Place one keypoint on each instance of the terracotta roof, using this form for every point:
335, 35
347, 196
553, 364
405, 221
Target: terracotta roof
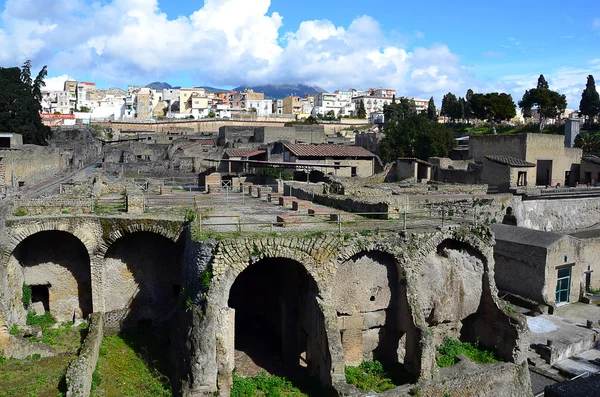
508, 160
243, 152
328, 151
206, 142
411, 159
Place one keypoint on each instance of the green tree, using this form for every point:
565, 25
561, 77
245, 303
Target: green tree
589, 142
450, 107
589, 105
416, 136
361, 112
211, 114
431, 112
550, 104
493, 107
399, 110
84, 109
468, 106
20, 105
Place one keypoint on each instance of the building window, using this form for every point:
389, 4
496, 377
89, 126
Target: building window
563, 285
522, 178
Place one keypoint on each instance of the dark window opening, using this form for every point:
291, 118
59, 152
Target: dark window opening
41, 293
176, 290
354, 171
522, 178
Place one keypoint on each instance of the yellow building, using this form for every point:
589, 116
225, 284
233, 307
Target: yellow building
185, 105
292, 105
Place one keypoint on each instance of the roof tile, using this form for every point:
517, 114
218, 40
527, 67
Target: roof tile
328, 151
508, 160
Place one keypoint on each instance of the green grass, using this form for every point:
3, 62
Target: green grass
264, 385
372, 375
20, 213
34, 377
26, 298
451, 348
132, 365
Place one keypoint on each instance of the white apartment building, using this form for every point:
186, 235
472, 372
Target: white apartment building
372, 104
339, 102
263, 107
83, 96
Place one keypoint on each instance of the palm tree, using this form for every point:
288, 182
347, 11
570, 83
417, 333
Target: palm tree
589, 142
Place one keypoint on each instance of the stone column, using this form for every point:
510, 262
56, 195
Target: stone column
225, 338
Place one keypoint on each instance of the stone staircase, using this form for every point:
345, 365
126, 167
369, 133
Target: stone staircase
110, 203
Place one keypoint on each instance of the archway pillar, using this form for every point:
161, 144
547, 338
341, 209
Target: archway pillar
97, 270
334, 345
225, 349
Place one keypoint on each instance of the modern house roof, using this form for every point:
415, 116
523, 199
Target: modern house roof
328, 151
243, 152
508, 160
525, 236
591, 159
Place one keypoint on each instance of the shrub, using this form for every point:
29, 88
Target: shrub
206, 278
451, 348
369, 375
21, 212
26, 298
14, 330
262, 384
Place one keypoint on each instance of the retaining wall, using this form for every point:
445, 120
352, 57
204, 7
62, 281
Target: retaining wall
79, 373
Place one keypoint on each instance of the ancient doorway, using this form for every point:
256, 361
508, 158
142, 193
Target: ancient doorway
142, 276
279, 326
544, 173
56, 266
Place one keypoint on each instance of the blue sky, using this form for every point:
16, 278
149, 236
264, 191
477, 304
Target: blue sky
420, 48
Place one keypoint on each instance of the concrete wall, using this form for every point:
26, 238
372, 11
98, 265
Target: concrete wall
496, 174
406, 170
521, 270
556, 259
508, 145
589, 172
542, 146
589, 258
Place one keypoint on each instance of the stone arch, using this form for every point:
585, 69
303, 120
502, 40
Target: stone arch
279, 321
118, 230
86, 232
141, 275
57, 265
370, 296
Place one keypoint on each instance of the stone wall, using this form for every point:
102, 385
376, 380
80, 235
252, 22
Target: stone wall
79, 373
355, 333
30, 164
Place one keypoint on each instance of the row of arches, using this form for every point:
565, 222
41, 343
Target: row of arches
138, 270
283, 322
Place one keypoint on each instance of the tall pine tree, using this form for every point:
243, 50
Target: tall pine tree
431, 112
589, 105
20, 106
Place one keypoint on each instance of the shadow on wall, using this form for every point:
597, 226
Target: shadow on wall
57, 266
279, 326
376, 322
142, 279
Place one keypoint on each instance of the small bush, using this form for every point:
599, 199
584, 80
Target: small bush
206, 278
190, 216
26, 298
14, 330
262, 384
369, 375
21, 212
451, 348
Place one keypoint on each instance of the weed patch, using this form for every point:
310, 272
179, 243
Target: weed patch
451, 348
371, 375
263, 385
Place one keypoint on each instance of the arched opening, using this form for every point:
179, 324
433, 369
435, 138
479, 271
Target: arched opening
142, 277
374, 315
56, 265
279, 326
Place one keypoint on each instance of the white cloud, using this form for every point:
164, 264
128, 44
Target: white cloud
596, 23
566, 80
493, 54
57, 83
226, 42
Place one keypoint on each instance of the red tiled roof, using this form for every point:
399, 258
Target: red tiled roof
328, 151
411, 159
508, 160
205, 142
243, 152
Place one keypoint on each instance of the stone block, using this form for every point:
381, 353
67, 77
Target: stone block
299, 205
263, 191
285, 220
38, 308
166, 190
370, 342
286, 201
273, 197
375, 319
318, 211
